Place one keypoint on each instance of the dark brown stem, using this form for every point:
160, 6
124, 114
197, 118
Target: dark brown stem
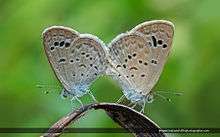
128, 118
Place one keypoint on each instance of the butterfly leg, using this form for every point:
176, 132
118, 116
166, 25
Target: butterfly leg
129, 105
143, 106
120, 99
72, 99
134, 105
93, 97
79, 101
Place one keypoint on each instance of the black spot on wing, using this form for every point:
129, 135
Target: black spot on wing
67, 44
51, 48
124, 65
62, 44
164, 45
118, 66
61, 60
133, 68
82, 65
153, 61
56, 43
160, 42
154, 41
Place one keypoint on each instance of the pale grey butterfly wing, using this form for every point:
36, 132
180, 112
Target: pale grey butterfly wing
137, 57
89, 59
77, 59
159, 35
128, 61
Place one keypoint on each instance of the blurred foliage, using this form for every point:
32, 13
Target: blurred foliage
192, 67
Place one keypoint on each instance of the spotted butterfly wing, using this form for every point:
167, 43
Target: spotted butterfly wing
77, 59
137, 57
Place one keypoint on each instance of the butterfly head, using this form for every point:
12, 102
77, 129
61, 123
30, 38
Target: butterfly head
135, 96
76, 91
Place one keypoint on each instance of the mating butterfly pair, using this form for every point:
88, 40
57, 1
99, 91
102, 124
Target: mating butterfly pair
135, 58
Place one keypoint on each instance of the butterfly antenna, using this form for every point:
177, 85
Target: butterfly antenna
46, 86
143, 107
134, 105
163, 97
174, 93
130, 104
79, 101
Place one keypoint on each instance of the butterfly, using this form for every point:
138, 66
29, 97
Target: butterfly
76, 59
136, 58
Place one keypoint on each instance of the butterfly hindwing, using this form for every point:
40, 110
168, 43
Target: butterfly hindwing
89, 58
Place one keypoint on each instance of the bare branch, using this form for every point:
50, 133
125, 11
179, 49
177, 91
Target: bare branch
128, 118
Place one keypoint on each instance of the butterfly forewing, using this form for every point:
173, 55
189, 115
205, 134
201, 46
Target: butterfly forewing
159, 35
77, 59
138, 57
57, 40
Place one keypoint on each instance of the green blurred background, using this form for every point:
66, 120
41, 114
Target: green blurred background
192, 67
